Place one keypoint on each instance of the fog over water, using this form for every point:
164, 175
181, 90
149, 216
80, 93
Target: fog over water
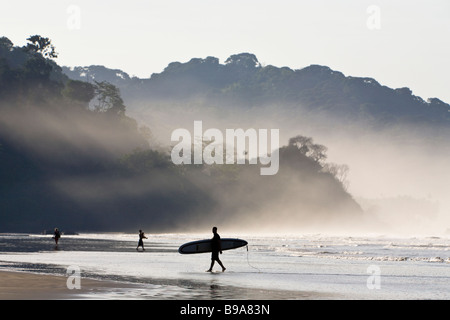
77, 155
398, 174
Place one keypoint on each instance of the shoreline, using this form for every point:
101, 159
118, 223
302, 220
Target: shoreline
278, 268
22, 285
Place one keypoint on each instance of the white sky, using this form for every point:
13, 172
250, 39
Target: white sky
141, 37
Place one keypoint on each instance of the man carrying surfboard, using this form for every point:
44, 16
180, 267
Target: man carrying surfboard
216, 248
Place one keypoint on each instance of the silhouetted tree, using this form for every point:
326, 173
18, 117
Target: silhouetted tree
339, 172
5, 44
245, 60
37, 69
41, 45
79, 91
108, 99
306, 146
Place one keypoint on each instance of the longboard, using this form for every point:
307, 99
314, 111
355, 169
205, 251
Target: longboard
202, 246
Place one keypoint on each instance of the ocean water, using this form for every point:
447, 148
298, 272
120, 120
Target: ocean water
308, 266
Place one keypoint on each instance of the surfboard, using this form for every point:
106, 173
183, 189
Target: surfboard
202, 246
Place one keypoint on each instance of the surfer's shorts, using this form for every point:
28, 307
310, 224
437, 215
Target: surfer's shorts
215, 255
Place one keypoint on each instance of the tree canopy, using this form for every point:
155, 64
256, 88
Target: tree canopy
70, 156
42, 45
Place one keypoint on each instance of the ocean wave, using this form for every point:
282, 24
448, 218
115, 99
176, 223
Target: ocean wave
355, 255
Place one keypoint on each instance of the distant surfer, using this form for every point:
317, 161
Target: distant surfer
56, 235
216, 249
141, 242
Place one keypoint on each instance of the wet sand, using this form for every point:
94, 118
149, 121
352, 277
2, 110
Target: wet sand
29, 286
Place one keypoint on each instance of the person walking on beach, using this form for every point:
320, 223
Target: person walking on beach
141, 242
56, 236
216, 248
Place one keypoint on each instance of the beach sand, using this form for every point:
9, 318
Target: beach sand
29, 286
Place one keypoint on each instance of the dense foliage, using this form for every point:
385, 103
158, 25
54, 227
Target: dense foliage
242, 81
71, 157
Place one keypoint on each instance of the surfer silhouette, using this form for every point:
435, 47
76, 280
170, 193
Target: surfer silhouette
141, 242
216, 248
56, 236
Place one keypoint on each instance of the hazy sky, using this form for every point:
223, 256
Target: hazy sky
399, 43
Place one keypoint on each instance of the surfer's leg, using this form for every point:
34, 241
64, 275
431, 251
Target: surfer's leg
212, 265
214, 257
223, 268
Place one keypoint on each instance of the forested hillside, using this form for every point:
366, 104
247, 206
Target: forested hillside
71, 157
